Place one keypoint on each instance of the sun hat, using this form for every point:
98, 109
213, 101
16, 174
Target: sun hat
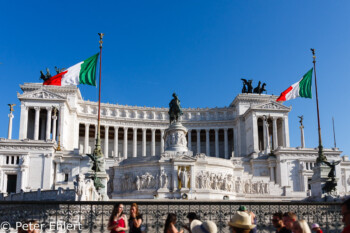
203, 227
315, 225
242, 208
242, 220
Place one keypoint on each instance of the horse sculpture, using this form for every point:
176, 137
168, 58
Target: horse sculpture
175, 110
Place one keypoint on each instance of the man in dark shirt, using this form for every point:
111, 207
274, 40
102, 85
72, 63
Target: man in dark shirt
345, 212
278, 223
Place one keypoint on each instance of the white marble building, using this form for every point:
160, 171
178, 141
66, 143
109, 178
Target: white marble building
229, 149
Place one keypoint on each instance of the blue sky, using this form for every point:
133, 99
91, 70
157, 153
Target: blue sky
200, 49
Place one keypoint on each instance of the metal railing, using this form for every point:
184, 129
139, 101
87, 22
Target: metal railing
93, 216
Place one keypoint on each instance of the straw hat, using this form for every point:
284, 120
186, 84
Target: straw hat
315, 225
203, 227
242, 220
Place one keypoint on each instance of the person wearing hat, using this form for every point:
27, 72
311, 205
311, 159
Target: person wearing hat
203, 227
241, 222
252, 216
191, 216
316, 228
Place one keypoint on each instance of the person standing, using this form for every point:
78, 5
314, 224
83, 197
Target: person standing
135, 219
345, 212
117, 221
191, 216
241, 222
277, 222
170, 222
301, 226
316, 228
288, 220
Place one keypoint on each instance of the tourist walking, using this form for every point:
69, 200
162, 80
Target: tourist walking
170, 222
288, 219
345, 212
191, 216
301, 226
135, 219
316, 228
117, 221
203, 227
277, 222
241, 222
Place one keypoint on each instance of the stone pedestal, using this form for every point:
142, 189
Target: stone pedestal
175, 139
318, 180
103, 176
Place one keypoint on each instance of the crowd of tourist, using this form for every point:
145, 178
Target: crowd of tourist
243, 221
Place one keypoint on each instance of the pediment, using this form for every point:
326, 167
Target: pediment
40, 94
272, 105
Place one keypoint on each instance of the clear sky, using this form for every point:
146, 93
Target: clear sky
200, 49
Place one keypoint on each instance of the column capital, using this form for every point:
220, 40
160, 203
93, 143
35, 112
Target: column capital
106, 126
153, 130
207, 130
135, 129
144, 129
49, 108
11, 115
125, 128
216, 130
189, 130
116, 127
37, 108
87, 124
225, 129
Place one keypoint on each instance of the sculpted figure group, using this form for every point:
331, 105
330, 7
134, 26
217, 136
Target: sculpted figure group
248, 87
214, 181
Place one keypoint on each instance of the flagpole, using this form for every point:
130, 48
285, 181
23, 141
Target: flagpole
98, 151
321, 156
335, 142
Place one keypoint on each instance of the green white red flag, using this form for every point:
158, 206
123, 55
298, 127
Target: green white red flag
298, 89
82, 73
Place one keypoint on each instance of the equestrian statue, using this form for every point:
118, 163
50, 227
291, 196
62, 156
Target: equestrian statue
175, 110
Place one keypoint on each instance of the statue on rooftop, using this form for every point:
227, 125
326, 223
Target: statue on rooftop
175, 110
247, 86
46, 76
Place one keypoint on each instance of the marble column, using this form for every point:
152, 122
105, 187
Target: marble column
272, 174
198, 141
9, 132
134, 148
153, 148
36, 124
54, 121
125, 147
255, 133
48, 123
226, 143
207, 143
86, 141
175, 179
217, 143
267, 137
285, 131
116, 129
275, 138
23, 122
235, 144
106, 141
144, 131
302, 136
192, 178
23, 178
161, 140
189, 143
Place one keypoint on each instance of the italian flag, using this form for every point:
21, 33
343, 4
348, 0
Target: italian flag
299, 89
82, 73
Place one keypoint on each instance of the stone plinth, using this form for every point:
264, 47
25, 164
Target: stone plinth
175, 138
318, 180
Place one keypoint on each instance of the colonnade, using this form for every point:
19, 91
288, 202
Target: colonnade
46, 127
160, 132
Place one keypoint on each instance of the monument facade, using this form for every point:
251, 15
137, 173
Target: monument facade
239, 152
